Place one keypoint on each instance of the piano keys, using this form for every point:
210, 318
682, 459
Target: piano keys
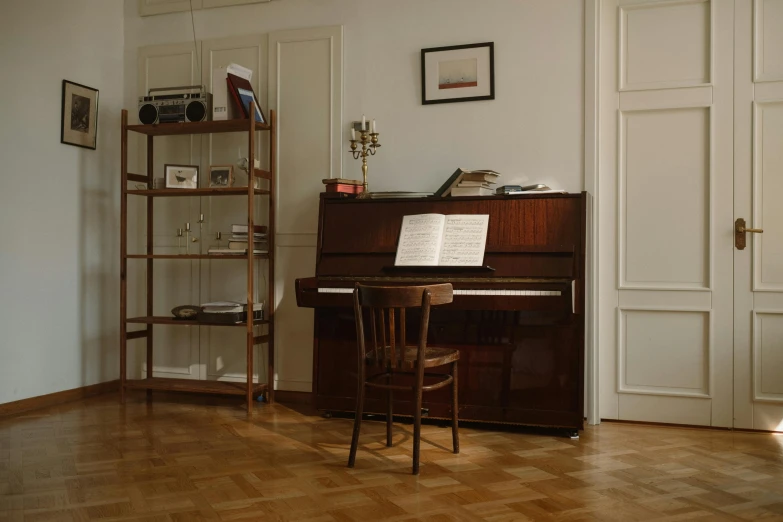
519, 325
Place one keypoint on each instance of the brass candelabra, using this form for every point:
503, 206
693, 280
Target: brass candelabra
369, 143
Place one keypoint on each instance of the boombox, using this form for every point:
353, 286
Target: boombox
188, 103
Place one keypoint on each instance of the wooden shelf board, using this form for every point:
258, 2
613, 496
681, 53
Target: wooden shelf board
193, 386
195, 256
196, 127
157, 319
211, 191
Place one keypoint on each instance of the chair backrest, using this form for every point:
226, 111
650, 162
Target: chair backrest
386, 306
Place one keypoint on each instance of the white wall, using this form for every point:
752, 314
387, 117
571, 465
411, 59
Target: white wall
59, 204
534, 126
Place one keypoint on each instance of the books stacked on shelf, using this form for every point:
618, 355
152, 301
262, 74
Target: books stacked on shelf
239, 242
228, 312
537, 188
343, 185
469, 183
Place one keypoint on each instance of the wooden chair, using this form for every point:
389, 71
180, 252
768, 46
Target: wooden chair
390, 351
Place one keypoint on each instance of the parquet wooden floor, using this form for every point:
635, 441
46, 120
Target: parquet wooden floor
190, 459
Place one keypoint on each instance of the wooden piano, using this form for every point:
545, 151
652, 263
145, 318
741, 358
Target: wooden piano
519, 325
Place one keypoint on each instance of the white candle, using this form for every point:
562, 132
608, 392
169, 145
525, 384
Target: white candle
374, 127
364, 123
353, 134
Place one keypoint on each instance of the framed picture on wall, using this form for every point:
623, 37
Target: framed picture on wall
458, 73
79, 124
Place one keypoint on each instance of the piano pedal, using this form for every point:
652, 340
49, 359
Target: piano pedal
573, 434
327, 415
425, 412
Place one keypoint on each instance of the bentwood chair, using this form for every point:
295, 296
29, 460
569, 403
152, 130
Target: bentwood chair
386, 309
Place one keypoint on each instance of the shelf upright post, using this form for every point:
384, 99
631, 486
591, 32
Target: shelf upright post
123, 252
251, 178
150, 177
270, 303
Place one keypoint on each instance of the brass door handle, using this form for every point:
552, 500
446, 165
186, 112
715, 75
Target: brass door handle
740, 231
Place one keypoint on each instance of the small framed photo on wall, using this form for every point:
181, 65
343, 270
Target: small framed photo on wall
181, 176
458, 73
221, 176
79, 124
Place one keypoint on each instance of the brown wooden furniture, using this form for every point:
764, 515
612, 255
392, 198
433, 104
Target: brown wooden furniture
391, 354
519, 328
249, 389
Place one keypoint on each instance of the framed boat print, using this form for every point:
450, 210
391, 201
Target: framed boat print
79, 124
458, 73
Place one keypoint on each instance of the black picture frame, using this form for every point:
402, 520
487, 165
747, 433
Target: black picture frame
70, 135
490, 96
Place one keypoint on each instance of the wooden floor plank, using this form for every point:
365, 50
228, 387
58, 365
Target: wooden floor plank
202, 458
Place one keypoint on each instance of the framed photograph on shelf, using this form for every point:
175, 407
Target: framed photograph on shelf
458, 73
221, 176
79, 124
181, 176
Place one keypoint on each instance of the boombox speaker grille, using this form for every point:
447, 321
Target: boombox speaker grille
195, 111
148, 114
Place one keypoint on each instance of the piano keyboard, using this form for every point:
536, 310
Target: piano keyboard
477, 291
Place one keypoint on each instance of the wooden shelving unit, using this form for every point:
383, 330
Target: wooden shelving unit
249, 389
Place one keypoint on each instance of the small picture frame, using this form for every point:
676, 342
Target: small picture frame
458, 73
181, 176
79, 122
221, 176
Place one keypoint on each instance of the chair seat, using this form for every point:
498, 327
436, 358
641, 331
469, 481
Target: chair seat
433, 356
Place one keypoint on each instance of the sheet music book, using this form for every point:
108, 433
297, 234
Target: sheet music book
442, 240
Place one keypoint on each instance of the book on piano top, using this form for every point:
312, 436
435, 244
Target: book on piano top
341, 181
471, 191
232, 252
484, 176
345, 189
442, 240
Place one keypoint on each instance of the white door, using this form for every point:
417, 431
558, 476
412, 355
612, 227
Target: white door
758, 193
665, 181
175, 281
222, 353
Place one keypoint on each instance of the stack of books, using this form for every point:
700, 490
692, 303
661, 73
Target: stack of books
343, 185
239, 241
469, 183
537, 188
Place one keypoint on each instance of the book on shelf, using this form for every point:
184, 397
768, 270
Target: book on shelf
460, 175
231, 252
471, 191
242, 93
345, 189
242, 245
442, 240
341, 181
242, 229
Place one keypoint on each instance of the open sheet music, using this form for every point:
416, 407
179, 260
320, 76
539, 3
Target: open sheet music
442, 240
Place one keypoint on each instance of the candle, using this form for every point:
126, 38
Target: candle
374, 127
353, 134
364, 123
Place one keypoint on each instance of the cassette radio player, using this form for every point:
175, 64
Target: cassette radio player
179, 104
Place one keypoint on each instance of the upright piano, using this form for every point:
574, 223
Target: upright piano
518, 322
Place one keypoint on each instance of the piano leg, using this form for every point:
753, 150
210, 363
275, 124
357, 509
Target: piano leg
454, 408
389, 413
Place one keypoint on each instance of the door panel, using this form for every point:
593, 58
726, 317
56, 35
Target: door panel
223, 350
758, 190
175, 281
671, 112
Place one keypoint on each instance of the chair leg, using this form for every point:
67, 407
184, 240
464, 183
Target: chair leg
389, 412
357, 423
454, 408
417, 421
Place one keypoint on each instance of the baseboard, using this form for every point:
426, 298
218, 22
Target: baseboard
688, 426
53, 399
293, 397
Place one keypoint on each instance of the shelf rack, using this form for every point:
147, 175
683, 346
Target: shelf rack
249, 389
